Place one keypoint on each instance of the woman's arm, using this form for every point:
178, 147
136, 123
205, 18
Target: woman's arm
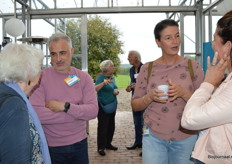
99, 86
141, 99
139, 104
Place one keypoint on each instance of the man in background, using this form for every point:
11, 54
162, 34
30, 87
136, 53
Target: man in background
134, 59
64, 101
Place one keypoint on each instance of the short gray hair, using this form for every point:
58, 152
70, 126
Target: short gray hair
105, 65
136, 54
20, 62
58, 36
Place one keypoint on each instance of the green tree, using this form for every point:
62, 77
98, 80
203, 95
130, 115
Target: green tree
103, 43
74, 32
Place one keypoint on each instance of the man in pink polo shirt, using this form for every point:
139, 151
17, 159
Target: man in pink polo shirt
64, 101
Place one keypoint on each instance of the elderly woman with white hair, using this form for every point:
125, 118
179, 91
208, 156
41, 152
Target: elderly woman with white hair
106, 91
22, 138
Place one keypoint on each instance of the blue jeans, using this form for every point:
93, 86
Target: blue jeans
159, 151
138, 122
70, 154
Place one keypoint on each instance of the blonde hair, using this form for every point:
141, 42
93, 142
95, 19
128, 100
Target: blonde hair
20, 62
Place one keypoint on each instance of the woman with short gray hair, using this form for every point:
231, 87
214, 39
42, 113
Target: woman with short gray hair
22, 138
105, 65
106, 91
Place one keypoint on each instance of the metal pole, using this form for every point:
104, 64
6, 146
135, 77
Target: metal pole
84, 43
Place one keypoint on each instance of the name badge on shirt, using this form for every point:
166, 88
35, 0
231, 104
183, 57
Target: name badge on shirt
146, 131
71, 79
136, 75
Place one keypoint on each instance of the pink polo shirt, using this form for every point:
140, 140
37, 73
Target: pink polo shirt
65, 128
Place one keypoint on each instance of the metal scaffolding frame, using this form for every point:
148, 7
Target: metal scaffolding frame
38, 9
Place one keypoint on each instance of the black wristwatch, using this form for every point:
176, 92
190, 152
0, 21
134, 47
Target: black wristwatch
66, 107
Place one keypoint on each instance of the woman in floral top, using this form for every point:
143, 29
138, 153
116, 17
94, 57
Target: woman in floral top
165, 141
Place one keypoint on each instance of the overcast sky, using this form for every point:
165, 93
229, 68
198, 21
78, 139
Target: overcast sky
137, 34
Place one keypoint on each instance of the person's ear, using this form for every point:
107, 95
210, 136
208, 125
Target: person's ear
157, 42
228, 45
136, 58
228, 48
72, 51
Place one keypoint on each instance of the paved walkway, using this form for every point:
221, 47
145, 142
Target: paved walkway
123, 136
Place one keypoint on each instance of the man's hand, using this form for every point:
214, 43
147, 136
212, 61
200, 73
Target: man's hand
55, 106
132, 85
128, 89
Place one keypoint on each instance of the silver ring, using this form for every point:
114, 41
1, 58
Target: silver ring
213, 64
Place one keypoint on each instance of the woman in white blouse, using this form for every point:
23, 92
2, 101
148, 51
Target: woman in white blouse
210, 107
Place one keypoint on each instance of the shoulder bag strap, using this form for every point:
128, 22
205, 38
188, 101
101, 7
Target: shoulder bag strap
149, 69
190, 67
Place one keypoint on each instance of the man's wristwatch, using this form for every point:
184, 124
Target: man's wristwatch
66, 107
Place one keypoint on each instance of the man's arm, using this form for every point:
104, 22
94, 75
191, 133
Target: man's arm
46, 116
88, 108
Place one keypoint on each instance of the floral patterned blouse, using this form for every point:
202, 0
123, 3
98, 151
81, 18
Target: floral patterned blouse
163, 119
36, 149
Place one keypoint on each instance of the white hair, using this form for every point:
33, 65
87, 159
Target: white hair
136, 54
105, 65
20, 62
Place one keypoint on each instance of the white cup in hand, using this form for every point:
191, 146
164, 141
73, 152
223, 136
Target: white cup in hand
163, 88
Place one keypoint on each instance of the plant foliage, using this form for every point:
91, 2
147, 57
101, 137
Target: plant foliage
103, 43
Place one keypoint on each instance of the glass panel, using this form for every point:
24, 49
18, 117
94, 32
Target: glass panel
41, 4
42, 29
68, 4
190, 56
1, 37
137, 34
127, 3
89, 3
189, 34
213, 26
100, 3
157, 2
6, 6
150, 3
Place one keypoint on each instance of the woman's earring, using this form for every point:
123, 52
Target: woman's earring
29, 83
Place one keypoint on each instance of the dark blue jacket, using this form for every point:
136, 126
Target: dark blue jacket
132, 72
15, 139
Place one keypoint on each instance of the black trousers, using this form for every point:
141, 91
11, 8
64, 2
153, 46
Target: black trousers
105, 129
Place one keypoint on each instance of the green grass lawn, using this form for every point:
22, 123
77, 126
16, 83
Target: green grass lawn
122, 81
